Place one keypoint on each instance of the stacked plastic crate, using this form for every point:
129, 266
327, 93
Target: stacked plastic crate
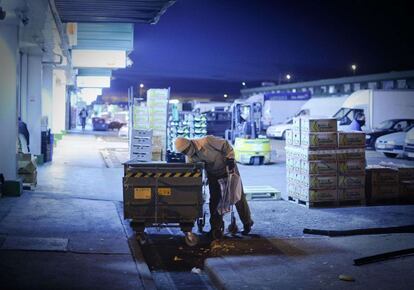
157, 103
323, 165
141, 145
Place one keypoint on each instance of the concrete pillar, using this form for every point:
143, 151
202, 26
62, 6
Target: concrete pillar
23, 87
47, 93
34, 102
59, 101
8, 100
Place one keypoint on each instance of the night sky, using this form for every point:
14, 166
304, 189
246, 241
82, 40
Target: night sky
202, 47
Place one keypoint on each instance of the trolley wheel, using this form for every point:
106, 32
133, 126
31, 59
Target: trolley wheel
141, 237
191, 239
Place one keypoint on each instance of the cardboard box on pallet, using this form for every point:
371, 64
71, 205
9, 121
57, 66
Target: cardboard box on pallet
377, 174
308, 154
289, 137
320, 167
351, 181
29, 177
406, 189
296, 137
381, 183
313, 124
323, 140
351, 140
296, 124
351, 167
317, 195
351, 194
352, 153
319, 181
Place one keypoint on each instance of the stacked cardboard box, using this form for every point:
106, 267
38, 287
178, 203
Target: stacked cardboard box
382, 184
324, 165
405, 179
27, 168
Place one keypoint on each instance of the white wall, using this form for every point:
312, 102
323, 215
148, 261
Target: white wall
8, 100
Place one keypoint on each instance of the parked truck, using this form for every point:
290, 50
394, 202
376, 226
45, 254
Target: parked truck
316, 106
278, 107
377, 106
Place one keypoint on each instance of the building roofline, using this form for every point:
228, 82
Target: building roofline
394, 75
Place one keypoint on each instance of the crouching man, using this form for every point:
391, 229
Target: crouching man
217, 154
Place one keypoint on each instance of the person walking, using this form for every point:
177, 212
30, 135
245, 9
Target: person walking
218, 157
83, 114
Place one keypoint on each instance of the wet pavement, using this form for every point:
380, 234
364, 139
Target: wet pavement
72, 226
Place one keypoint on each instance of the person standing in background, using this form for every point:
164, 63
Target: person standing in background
24, 137
83, 114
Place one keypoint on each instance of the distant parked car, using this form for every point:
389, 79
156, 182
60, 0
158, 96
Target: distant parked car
387, 127
115, 125
409, 144
392, 144
99, 124
279, 130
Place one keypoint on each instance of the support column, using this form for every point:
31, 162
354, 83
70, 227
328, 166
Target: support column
8, 100
59, 101
34, 102
47, 93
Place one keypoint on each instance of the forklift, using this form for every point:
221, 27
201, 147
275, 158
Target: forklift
244, 134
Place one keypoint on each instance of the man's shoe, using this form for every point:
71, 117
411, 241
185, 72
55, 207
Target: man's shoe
216, 234
247, 228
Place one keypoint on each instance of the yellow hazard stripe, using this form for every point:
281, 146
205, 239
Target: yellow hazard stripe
164, 174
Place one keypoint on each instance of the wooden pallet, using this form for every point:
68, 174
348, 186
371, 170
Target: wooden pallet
261, 192
29, 186
336, 203
391, 201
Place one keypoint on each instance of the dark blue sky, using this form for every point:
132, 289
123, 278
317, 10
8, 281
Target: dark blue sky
211, 46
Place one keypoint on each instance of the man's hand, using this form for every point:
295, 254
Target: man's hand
231, 164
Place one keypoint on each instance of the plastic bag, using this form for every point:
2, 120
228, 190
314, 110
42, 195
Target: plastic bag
231, 191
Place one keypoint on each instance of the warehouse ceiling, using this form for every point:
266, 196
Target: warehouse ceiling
130, 11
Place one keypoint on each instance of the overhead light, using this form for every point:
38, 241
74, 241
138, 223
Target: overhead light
243, 84
225, 95
93, 81
174, 101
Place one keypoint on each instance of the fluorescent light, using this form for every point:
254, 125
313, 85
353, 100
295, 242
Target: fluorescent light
173, 101
93, 81
99, 58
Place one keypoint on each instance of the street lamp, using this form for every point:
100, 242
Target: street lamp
243, 84
225, 96
353, 67
288, 77
141, 85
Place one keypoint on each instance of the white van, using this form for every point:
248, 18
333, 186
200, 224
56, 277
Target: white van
319, 106
377, 106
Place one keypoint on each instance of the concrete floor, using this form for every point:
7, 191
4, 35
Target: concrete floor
69, 232
71, 225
